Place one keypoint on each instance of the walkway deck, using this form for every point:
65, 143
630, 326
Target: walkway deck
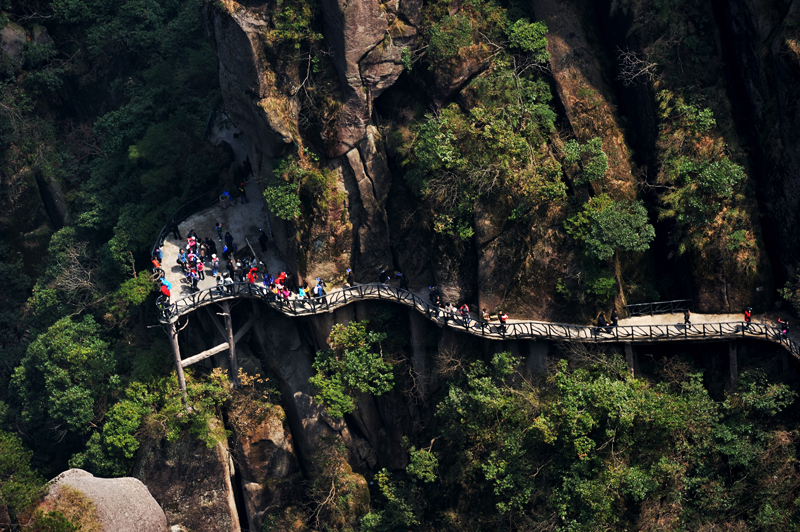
244, 221
633, 333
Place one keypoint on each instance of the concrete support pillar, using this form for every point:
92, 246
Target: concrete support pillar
226, 311
733, 358
172, 332
630, 359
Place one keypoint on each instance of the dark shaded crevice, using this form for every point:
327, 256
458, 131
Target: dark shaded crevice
49, 202
637, 109
745, 85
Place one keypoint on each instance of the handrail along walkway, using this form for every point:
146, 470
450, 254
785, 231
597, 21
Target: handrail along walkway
512, 331
659, 307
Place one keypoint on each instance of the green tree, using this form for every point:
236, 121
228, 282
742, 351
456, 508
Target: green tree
20, 485
607, 227
63, 374
354, 364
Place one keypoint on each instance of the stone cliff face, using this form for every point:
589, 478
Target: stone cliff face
762, 46
286, 102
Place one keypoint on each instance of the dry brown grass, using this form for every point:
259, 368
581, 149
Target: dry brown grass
74, 506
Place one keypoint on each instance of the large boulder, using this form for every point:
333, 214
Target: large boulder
122, 504
191, 481
270, 473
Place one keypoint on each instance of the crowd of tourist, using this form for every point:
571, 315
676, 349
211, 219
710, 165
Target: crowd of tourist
200, 255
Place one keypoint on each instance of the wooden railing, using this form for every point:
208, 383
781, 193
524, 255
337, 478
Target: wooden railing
659, 307
516, 330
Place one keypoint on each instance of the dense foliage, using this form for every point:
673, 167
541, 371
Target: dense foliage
354, 364
495, 142
592, 448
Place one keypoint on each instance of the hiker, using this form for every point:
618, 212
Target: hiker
212, 247
175, 232
251, 275
464, 310
350, 278
602, 324
201, 270
214, 264
687, 318
166, 293
383, 277
748, 314
228, 239
159, 254
156, 264
403, 283
193, 278
784, 328
242, 193
319, 290
262, 239
503, 318
182, 260
301, 293
220, 289
166, 283
485, 315
218, 229
435, 296
228, 282
615, 318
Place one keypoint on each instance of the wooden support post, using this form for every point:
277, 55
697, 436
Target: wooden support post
226, 309
204, 355
629, 359
176, 351
733, 359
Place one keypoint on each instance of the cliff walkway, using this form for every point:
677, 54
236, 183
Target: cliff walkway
205, 210
516, 330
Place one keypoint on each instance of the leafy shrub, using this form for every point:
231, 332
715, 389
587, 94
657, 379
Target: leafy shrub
349, 367
448, 37
530, 38
156, 410
589, 158
606, 227
283, 201
20, 485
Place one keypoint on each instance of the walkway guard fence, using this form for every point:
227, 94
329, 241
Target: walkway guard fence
184, 211
517, 330
659, 307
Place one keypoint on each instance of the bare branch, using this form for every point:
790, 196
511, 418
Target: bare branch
633, 68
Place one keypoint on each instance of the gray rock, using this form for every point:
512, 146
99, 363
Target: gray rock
122, 504
13, 40
191, 482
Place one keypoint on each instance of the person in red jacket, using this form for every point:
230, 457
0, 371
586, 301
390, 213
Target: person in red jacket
251, 275
165, 291
503, 318
748, 314
464, 310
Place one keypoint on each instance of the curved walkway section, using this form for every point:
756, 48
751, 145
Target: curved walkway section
528, 330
